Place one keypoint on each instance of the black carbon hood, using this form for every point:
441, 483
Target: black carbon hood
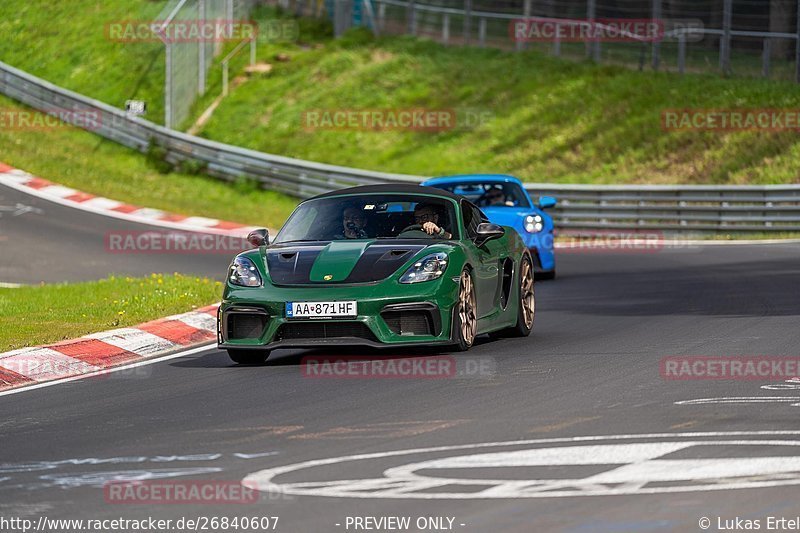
339, 261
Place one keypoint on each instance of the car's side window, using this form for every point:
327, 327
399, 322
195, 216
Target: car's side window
472, 217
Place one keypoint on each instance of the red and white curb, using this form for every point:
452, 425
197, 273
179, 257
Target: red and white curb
99, 351
42, 188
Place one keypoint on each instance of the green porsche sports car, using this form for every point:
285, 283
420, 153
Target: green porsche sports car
378, 265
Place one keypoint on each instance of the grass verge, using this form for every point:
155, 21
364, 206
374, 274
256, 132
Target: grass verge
35, 315
80, 159
539, 117
67, 43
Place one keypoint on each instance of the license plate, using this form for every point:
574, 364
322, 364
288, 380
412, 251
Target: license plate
320, 309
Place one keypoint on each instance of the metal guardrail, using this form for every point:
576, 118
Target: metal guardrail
684, 209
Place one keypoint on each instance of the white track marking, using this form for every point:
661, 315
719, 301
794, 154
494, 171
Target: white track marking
196, 320
15, 176
148, 213
100, 203
58, 190
741, 399
630, 467
134, 340
41, 364
105, 371
200, 221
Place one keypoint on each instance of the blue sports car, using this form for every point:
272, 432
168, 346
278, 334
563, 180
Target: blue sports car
506, 202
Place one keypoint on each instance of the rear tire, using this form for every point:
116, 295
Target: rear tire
465, 317
249, 357
527, 302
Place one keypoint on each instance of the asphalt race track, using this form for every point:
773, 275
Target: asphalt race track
572, 429
41, 241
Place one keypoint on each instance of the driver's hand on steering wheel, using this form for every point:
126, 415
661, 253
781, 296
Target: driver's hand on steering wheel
430, 228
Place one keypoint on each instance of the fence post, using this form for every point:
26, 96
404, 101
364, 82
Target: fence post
382, 16
168, 86
592, 45
526, 13
725, 42
446, 28
468, 20
367, 13
765, 57
656, 16
201, 51
482, 32
797, 48
557, 41
681, 52
412, 17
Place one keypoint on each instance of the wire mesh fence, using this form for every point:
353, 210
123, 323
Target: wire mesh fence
729, 37
193, 32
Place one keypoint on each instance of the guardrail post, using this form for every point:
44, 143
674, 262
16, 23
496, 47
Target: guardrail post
482, 32
681, 52
446, 28
467, 20
725, 42
656, 16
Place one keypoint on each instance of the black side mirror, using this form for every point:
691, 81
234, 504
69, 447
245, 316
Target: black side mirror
258, 237
487, 231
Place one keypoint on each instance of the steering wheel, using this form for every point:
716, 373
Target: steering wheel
413, 229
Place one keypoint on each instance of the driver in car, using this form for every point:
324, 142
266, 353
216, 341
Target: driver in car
354, 222
495, 196
425, 215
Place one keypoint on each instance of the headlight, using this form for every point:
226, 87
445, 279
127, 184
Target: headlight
533, 223
426, 269
244, 273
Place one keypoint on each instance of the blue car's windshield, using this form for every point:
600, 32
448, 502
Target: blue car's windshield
489, 194
384, 216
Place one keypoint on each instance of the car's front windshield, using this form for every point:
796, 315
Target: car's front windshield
489, 193
381, 216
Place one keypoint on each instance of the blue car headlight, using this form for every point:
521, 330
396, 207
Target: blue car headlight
534, 223
428, 268
243, 272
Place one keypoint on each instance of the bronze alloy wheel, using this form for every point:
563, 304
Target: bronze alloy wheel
527, 301
467, 304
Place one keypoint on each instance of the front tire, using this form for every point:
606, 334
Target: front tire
527, 302
249, 357
465, 314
